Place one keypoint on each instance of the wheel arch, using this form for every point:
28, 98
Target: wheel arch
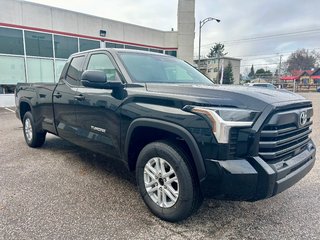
24, 106
170, 128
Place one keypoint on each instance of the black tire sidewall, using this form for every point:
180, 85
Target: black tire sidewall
38, 138
28, 115
185, 203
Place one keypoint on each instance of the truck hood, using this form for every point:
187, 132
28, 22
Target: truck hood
227, 95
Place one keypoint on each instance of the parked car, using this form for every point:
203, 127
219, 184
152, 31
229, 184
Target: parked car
262, 85
185, 137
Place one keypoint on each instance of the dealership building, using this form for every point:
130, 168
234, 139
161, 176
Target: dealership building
36, 40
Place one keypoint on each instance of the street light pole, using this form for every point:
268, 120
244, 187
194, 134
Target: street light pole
201, 23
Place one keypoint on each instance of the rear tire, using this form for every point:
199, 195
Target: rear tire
32, 137
167, 182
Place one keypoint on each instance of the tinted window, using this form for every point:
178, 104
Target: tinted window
103, 63
86, 44
271, 86
75, 70
136, 48
161, 69
11, 41
156, 50
38, 44
114, 45
260, 85
171, 53
65, 46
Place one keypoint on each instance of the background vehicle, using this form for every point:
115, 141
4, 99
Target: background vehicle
262, 85
184, 137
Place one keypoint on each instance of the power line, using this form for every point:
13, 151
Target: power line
259, 64
257, 57
275, 53
263, 37
251, 59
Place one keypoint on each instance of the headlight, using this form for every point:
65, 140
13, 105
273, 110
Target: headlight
223, 119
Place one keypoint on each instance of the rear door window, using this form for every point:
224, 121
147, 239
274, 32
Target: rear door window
75, 70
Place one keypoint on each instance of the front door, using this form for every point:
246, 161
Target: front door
98, 117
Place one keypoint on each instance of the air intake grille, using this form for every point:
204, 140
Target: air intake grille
284, 137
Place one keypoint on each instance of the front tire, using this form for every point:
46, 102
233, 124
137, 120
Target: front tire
167, 182
32, 137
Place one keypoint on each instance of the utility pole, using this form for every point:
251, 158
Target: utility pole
279, 73
222, 72
218, 73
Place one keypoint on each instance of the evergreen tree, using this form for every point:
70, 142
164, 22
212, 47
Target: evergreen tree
261, 73
228, 74
217, 51
251, 73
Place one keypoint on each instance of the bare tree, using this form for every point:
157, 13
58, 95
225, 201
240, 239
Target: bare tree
302, 59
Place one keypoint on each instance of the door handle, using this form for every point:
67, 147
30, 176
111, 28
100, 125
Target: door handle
79, 97
57, 95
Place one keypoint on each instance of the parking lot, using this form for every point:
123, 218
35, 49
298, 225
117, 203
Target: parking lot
61, 191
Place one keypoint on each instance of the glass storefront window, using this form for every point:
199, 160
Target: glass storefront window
136, 48
38, 44
114, 45
40, 70
12, 70
7, 89
156, 50
11, 41
171, 53
86, 44
65, 46
59, 64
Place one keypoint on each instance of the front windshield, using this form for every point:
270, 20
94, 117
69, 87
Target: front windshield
153, 68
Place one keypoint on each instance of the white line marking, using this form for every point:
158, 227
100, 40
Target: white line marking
10, 110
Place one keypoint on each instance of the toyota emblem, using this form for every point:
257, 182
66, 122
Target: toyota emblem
303, 118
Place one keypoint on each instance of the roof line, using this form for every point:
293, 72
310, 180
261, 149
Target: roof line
83, 36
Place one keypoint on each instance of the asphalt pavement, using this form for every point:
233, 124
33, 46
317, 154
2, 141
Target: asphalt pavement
61, 191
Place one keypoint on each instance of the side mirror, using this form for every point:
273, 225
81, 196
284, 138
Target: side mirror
97, 79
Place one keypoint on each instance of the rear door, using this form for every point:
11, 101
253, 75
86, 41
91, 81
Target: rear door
98, 117
64, 102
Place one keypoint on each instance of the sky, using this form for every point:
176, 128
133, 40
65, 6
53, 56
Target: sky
258, 32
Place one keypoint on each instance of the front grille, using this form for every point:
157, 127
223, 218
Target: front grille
233, 140
283, 137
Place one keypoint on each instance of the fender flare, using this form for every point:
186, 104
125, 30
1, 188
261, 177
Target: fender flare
38, 124
27, 101
172, 128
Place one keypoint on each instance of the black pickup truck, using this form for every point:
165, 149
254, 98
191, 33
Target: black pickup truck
185, 137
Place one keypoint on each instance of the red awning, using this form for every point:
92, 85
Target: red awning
315, 77
288, 78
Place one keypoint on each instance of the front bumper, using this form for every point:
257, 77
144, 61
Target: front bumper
253, 178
